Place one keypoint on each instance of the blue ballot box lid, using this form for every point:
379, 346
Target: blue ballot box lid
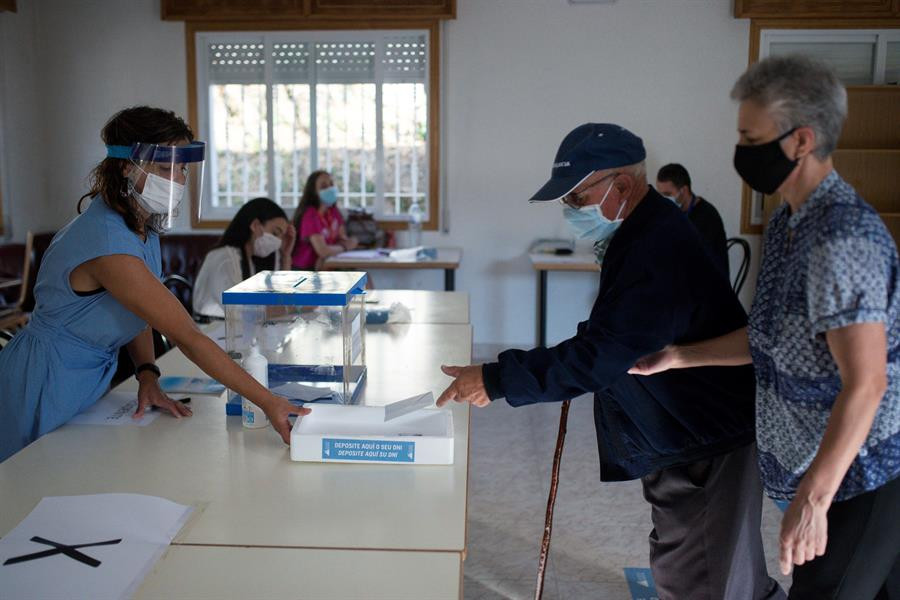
297, 288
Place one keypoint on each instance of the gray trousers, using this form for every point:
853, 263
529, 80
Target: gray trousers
706, 542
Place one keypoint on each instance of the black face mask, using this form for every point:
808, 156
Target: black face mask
764, 166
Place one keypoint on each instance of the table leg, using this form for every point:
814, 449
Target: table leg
542, 308
449, 280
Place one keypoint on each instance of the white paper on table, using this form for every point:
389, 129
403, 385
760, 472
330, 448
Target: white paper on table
298, 391
363, 254
406, 253
115, 408
144, 524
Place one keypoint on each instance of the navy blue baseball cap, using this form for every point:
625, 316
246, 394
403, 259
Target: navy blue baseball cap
588, 148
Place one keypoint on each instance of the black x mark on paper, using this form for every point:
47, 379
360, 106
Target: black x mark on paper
70, 551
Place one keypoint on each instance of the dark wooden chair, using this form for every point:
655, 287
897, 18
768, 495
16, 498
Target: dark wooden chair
741, 275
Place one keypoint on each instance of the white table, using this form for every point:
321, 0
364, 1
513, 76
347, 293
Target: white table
425, 306
542, 263
447, 259
217, 572
246, 490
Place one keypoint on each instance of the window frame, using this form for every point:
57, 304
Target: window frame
879, 38
432, 27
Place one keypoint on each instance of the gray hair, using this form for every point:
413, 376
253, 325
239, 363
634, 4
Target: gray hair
797, 91
637, 170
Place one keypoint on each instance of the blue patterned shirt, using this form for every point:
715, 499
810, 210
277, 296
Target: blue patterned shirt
829, 265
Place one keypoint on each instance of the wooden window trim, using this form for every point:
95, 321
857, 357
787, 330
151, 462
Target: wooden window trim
357, 8
756, 28
343, 10
433, 27
813, 9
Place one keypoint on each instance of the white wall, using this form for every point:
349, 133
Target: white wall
22, 172
517, 75
522, 73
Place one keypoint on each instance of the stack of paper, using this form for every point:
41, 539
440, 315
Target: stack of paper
96, 546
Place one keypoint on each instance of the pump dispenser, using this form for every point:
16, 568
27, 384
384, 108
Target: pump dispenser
257, 367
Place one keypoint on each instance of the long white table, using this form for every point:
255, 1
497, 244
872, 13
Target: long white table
247, 493
424, 306
216, 572
543, 263
447, 259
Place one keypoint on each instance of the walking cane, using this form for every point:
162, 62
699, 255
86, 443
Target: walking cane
551, 500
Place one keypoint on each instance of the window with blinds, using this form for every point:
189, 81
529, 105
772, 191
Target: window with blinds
867, 61
276, 106
859, 57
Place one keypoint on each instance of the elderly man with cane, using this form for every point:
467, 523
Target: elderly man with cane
687, 434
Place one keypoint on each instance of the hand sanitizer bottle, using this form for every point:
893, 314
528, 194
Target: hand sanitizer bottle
257, 366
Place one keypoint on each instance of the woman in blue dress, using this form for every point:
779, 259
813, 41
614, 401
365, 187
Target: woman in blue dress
99, 288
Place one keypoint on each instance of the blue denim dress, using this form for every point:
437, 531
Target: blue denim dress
63, 360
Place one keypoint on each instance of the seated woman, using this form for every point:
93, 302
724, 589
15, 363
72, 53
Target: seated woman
320, 224
258, 238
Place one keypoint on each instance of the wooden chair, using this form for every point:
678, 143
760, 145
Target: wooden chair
5, 337
741, 276
15, 317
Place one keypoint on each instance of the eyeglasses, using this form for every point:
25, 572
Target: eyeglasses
577, 200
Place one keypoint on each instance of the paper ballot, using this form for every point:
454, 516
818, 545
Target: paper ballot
115, 408
404, 407
95, 546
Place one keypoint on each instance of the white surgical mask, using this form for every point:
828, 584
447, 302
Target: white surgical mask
266, 244
589, 222
155, 197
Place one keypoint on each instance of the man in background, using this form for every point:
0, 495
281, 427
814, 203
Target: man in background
674, 182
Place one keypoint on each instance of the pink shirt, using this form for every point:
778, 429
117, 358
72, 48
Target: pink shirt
312, 223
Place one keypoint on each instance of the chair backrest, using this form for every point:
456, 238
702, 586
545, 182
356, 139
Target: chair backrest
181, 288
5, 337
39, 244
12, 258
17, 262
741, 275
182, 255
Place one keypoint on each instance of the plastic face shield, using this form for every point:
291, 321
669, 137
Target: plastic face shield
161, 175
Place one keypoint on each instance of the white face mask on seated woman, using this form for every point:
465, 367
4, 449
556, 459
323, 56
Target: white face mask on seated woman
266, 244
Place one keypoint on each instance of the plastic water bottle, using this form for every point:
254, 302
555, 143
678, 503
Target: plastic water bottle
415, 224
257, 367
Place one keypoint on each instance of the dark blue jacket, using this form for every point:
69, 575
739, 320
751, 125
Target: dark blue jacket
658, 286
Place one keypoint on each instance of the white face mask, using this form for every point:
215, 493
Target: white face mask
266, 244
155, 197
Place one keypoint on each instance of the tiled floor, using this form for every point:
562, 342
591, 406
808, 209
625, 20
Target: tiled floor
598, 529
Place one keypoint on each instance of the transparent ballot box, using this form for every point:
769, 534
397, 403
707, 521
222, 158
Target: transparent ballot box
309, 326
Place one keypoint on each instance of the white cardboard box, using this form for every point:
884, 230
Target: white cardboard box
360, 434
